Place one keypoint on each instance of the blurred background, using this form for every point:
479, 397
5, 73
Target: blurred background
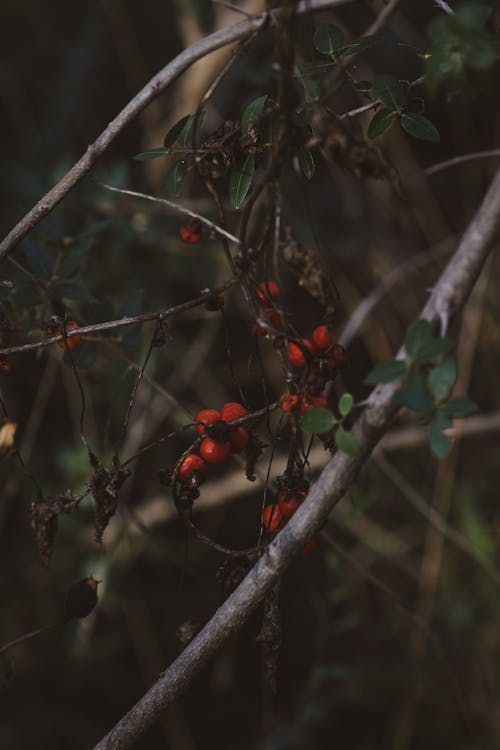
390, 627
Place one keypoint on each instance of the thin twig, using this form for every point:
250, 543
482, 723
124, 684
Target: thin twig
493, 153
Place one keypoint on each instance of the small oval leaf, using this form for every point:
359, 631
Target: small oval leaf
317, 421
346, 442
153, 154
442, 377
327, 39
345, 404
380, 122
253, 112
240, 180
176, 176
306, 163
419, 126
386, 372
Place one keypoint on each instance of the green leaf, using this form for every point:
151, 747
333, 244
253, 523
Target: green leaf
240, 180
415, 393
153, 154
459, 407
386, 372
346, 402
380, 122
327, 39
318, 421
253, 112
434, 348
418, 335
442, 377
306, 163
176, 176
184, 137
390, 91
346, 442
419, 127
358, 45
440, 444
473, 15
173, 134
313, 68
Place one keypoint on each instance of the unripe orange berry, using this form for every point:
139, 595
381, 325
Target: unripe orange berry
73, 341
215, 452
289, 402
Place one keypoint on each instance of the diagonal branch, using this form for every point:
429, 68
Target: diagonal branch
156, 86
449, 295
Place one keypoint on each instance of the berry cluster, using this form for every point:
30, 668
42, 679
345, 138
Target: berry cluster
277, 514
324, 359
268, 293
220, 441
190, 231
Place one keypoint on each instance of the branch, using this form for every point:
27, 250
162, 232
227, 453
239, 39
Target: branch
154, 88
446, 300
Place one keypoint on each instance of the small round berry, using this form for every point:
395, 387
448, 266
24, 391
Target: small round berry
238, 438
6, 367
271, 518
268, 290
295, 354
190, 231
309, 402
191, 464
289, 402
232, 411
215, 452
68, 343
322, 338
271, 316
205, 418
288, 502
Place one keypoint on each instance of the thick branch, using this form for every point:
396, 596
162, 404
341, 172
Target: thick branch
448, 296
156, 86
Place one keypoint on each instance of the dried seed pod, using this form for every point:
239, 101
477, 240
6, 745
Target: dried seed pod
81, 598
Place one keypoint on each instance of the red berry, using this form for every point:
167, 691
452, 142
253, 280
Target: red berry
232, 411
191, 464
268, 290
294, 353
311, 544
238, 438
271, 316
308, 402
205, 418
271, 518
6, 367
68, 343
190, 231
288, 502
289, 402
322, 338
215, 452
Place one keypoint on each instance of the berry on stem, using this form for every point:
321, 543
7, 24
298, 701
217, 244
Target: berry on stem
232, 411
288, 502
205, 418
68, 343
191, 464
215, 452
238, 438
322, 338
289, 402
268, 291
271, 518
295, 354
190, 231
6, 367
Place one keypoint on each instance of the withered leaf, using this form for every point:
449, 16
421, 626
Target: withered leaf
104, 487
44, 513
